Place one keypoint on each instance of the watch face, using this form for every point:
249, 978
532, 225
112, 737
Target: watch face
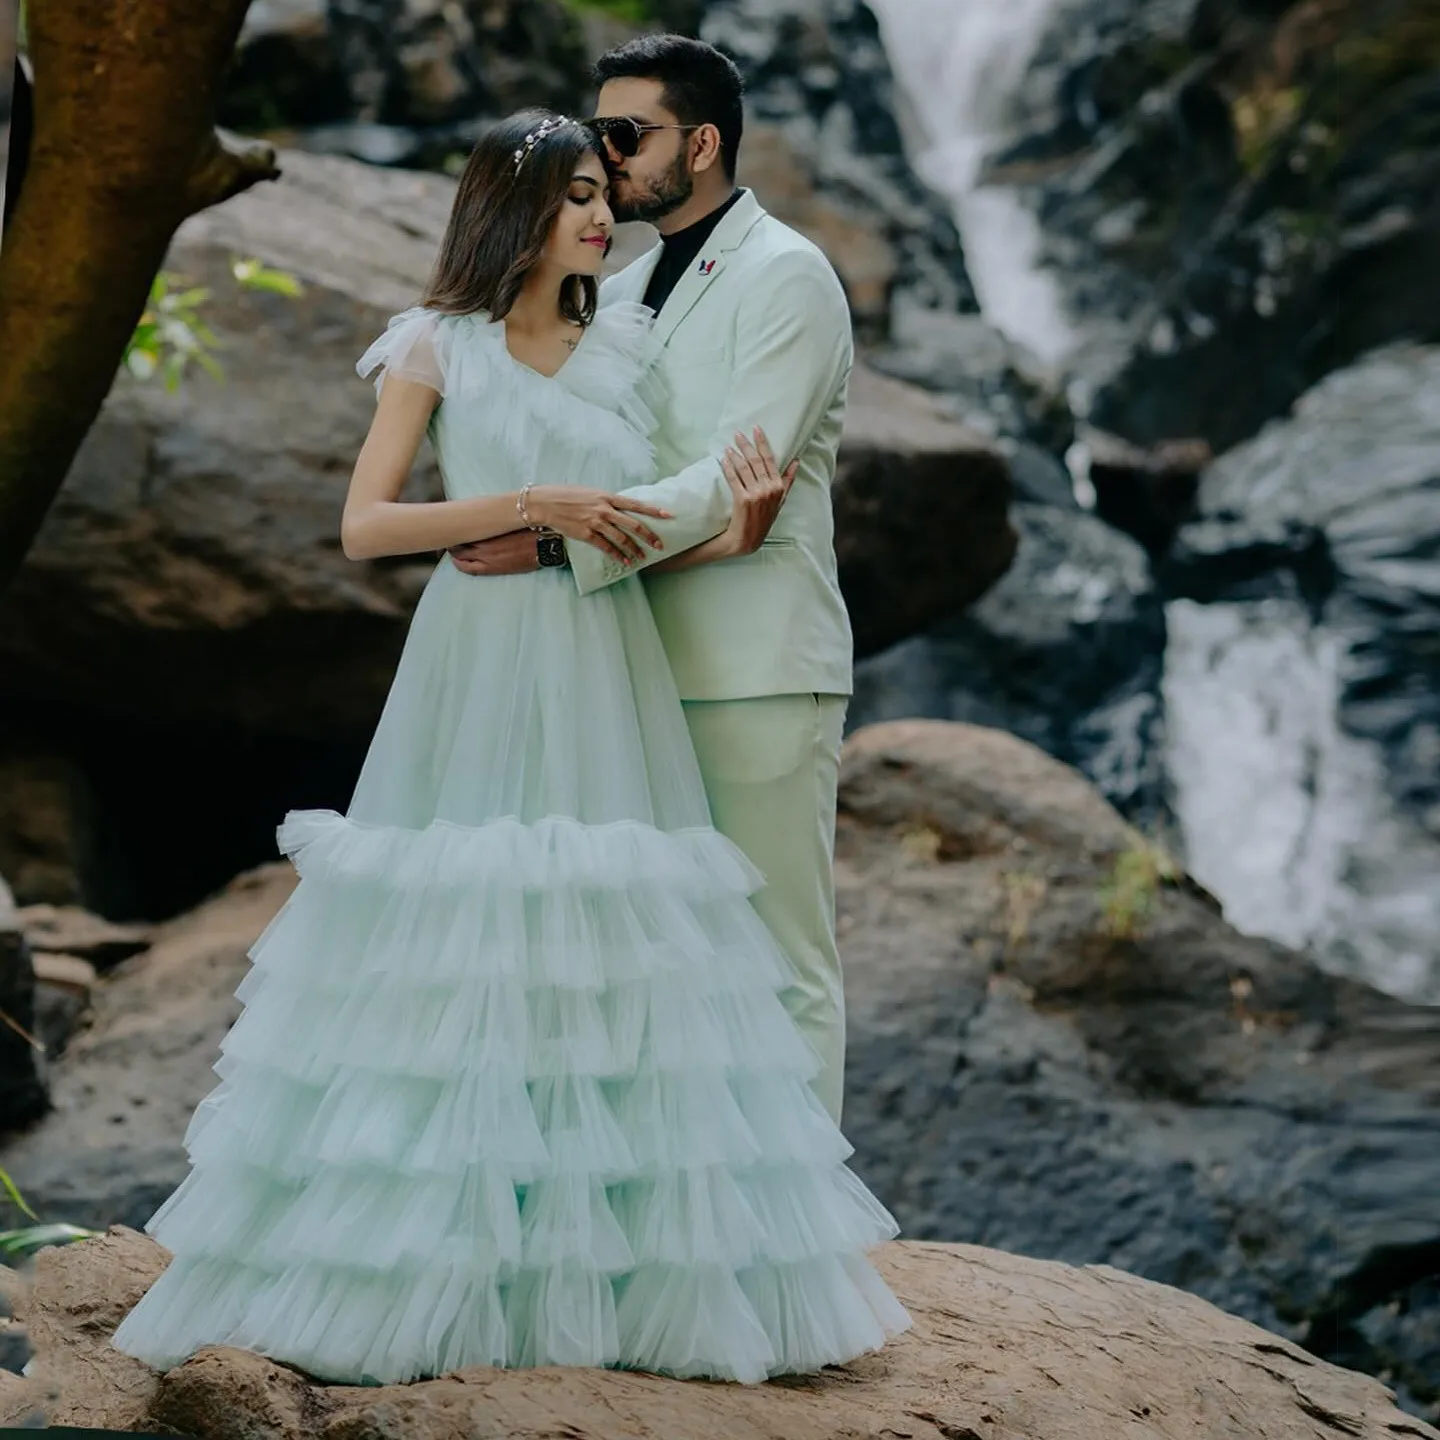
550, 549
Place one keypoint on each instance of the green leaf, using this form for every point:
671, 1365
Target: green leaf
21, 1244
12, 1190
253, 275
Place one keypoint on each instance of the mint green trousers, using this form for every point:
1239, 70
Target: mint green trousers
771, 766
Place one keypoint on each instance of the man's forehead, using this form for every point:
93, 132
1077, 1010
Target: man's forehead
638, 98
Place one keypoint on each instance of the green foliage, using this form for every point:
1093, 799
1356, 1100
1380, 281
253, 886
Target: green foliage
22, 1243
1261, 119
172, 334
628, 12
1128, 895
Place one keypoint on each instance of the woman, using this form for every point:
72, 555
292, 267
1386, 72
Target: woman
513, 1085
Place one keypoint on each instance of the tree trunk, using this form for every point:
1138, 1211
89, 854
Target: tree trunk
124, 148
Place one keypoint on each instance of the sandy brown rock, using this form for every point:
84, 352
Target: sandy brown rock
1004, 1348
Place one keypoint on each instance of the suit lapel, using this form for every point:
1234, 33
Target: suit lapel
709, 266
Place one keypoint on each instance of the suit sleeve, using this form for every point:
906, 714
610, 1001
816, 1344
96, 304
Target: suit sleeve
792, 349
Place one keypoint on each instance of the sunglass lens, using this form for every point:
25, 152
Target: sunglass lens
622, 132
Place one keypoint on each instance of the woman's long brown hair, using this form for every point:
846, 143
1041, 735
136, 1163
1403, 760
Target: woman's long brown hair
501, 220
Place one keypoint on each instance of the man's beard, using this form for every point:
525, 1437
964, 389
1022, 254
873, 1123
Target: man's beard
668, 194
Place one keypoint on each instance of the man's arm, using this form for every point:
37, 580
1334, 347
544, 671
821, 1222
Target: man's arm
792, 346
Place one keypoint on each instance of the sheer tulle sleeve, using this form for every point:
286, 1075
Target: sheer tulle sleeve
414, 347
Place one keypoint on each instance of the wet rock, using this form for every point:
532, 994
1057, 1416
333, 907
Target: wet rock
1059, 1047
1065, 650
1247, 195
1147, 493
1309, 579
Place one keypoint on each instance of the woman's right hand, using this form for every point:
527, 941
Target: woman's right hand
597, 518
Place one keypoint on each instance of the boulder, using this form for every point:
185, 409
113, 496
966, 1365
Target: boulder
1003, 1347
1066, 650
1304, 679
1058, 1047
921, 512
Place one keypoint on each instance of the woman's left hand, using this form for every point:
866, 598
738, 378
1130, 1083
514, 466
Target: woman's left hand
759, 488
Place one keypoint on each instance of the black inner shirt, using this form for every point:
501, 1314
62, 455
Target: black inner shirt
682, 249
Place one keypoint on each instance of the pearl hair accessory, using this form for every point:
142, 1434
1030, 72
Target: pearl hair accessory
548, 127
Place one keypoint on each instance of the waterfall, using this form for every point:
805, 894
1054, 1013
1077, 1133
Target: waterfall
960, 63
1283, 814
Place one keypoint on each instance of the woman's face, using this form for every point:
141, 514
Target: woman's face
581, 232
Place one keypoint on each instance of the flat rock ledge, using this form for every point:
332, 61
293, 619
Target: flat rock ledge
1004, 1348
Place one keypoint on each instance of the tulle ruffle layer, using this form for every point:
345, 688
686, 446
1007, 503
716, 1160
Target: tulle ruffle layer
386, 1326
519, 1094
611, 374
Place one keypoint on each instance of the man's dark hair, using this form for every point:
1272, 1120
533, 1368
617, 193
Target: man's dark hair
702, 86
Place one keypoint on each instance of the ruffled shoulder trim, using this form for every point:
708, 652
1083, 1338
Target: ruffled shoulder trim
415, 346
601, 401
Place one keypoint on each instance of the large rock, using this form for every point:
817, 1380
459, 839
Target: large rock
1304, 679
921, 512
186, 623
1065, 650
1003, 1347
1251, 192
1058, 1047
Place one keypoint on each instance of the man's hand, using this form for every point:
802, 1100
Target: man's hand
512, 554
759, 489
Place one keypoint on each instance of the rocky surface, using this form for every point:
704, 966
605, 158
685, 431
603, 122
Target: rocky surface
1059, 1048
1310, 578
375, 64
1065, 650
187, 625
1239, 197
407, 82
1003, 1347
909, 474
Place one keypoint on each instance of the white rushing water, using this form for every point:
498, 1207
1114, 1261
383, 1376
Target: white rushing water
1284, 816
960, 62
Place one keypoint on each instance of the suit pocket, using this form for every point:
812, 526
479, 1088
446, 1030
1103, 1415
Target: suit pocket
778, 542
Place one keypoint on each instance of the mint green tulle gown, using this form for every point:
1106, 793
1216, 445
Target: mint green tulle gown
513, 1084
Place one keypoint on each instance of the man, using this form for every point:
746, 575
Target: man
756, 332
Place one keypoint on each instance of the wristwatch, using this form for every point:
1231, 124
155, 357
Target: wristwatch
550, 550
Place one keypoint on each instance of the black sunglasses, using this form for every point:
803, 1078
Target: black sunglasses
625, 134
